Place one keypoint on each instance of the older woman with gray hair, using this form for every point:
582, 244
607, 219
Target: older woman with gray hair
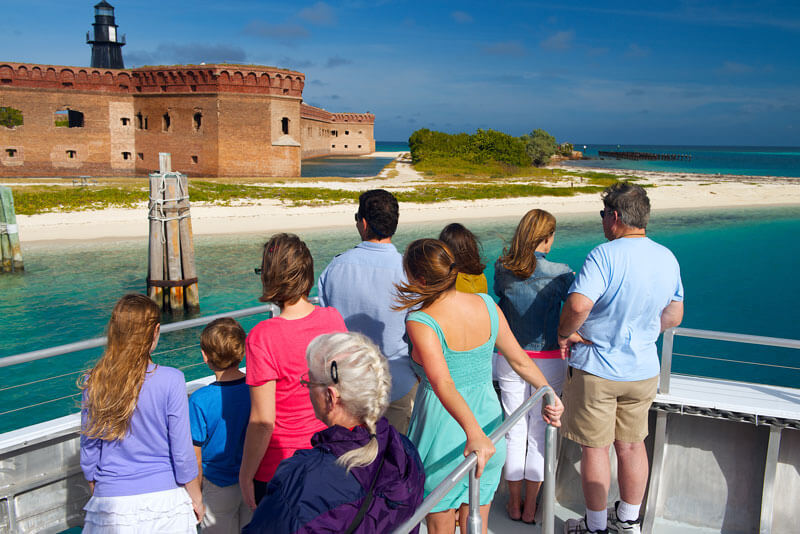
361, 475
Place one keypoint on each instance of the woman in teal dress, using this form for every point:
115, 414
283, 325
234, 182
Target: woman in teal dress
453, 335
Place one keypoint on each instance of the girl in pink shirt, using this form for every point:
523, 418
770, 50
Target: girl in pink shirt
281, 416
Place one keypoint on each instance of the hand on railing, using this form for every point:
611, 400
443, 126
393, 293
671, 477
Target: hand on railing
552, 413
482, 446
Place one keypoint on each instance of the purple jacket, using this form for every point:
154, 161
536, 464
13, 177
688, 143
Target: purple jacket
311, 493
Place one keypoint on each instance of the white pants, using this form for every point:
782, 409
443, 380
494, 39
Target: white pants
225, 509
525, 440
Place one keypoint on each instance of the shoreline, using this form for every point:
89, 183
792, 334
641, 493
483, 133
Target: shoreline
669, 191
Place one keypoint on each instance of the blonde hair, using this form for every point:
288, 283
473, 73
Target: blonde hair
112, 386
363, 384
431, 270
535, 227
287, 270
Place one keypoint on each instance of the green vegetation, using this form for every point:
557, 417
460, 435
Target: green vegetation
539, 146
482, 147
10, 117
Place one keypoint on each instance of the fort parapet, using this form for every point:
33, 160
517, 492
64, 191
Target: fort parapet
215, 120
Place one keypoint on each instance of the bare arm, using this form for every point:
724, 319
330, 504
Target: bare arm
521, 363
574, 313
427, 350
193, 489
256, 441
198, 452
672, 315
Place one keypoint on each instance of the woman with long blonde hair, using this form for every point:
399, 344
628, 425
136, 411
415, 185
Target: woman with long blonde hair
453, 335
531, 290
136, 447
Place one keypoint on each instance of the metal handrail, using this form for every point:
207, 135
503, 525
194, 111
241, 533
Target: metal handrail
474, 522
669, 342
100, 341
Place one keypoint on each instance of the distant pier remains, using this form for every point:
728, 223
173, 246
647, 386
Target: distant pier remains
644, 156
10, 252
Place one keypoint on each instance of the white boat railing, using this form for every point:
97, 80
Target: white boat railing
469, 465
669, 343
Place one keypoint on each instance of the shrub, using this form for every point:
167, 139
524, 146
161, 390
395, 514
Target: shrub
10, 117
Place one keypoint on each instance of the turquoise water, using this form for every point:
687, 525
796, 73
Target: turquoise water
739, 270
737, 160
351, 167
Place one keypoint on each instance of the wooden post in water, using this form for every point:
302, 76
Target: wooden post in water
172, 278
10, 251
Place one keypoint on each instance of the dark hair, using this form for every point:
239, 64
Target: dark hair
222, 341
464, 246
534, 227
431, 270
287, 270
630, 202
379, 208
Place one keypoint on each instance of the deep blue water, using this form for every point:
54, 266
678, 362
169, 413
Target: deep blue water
737, 160
739, 270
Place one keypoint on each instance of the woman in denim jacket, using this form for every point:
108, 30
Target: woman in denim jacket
531, 291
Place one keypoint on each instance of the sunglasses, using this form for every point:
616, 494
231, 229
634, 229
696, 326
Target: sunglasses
306, 381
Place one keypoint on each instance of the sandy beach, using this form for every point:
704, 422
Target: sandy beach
671, 191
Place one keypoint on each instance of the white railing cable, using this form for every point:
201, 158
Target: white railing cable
101, 341
469, 465
667, 349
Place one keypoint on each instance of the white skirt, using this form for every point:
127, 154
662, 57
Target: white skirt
165, 512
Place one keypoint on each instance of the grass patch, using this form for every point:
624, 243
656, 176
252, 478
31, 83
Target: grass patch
441, 193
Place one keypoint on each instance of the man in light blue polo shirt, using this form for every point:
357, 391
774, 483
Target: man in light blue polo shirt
628, 291
360, 283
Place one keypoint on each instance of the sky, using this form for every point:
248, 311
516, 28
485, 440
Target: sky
678, 72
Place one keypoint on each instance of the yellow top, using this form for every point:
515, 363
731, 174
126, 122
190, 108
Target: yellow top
471, 283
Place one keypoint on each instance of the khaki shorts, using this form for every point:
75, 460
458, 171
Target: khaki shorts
598, 412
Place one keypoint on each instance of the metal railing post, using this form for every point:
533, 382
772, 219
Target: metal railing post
474, 519
666, 360
549, 484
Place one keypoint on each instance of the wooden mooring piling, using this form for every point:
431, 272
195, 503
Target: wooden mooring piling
10, 251
644, 155
172, 277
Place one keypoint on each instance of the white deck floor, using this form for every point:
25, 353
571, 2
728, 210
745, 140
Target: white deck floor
741, 397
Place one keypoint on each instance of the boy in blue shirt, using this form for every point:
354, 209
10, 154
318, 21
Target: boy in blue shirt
219, 413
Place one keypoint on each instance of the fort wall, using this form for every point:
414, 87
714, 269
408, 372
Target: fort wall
344, 134
215, 120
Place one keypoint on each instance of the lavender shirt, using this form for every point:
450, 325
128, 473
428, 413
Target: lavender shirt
157, 452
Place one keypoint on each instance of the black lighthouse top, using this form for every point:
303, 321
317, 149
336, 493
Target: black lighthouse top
106, 46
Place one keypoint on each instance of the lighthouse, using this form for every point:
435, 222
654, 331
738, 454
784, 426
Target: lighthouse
106, 46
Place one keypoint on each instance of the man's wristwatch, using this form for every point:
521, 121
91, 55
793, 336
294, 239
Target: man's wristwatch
560, 335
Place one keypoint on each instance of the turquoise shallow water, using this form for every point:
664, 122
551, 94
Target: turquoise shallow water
737, 160
739, 270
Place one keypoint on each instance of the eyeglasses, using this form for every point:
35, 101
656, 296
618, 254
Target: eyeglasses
305, 381
602, 214
357, 217
258, 270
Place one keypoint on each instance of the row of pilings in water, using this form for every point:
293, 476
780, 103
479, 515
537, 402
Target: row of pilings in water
644, 156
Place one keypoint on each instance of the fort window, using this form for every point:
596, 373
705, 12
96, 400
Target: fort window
194, 159
12, 152
6, 81
286, 91
359, 146
140, 155
166, 122
10, 117
68, 118
140, 121
71, 154
346, 132
360, 132
197, 119
126, 155
193, 88
333, 146
345, 146
335, 133
125, 121
67, 85
285, 125
123, 87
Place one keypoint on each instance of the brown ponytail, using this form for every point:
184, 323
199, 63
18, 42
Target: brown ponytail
535, 227
431, 270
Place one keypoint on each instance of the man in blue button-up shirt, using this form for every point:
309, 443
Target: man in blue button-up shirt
360, 283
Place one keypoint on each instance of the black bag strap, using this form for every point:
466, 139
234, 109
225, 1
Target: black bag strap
367, 500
